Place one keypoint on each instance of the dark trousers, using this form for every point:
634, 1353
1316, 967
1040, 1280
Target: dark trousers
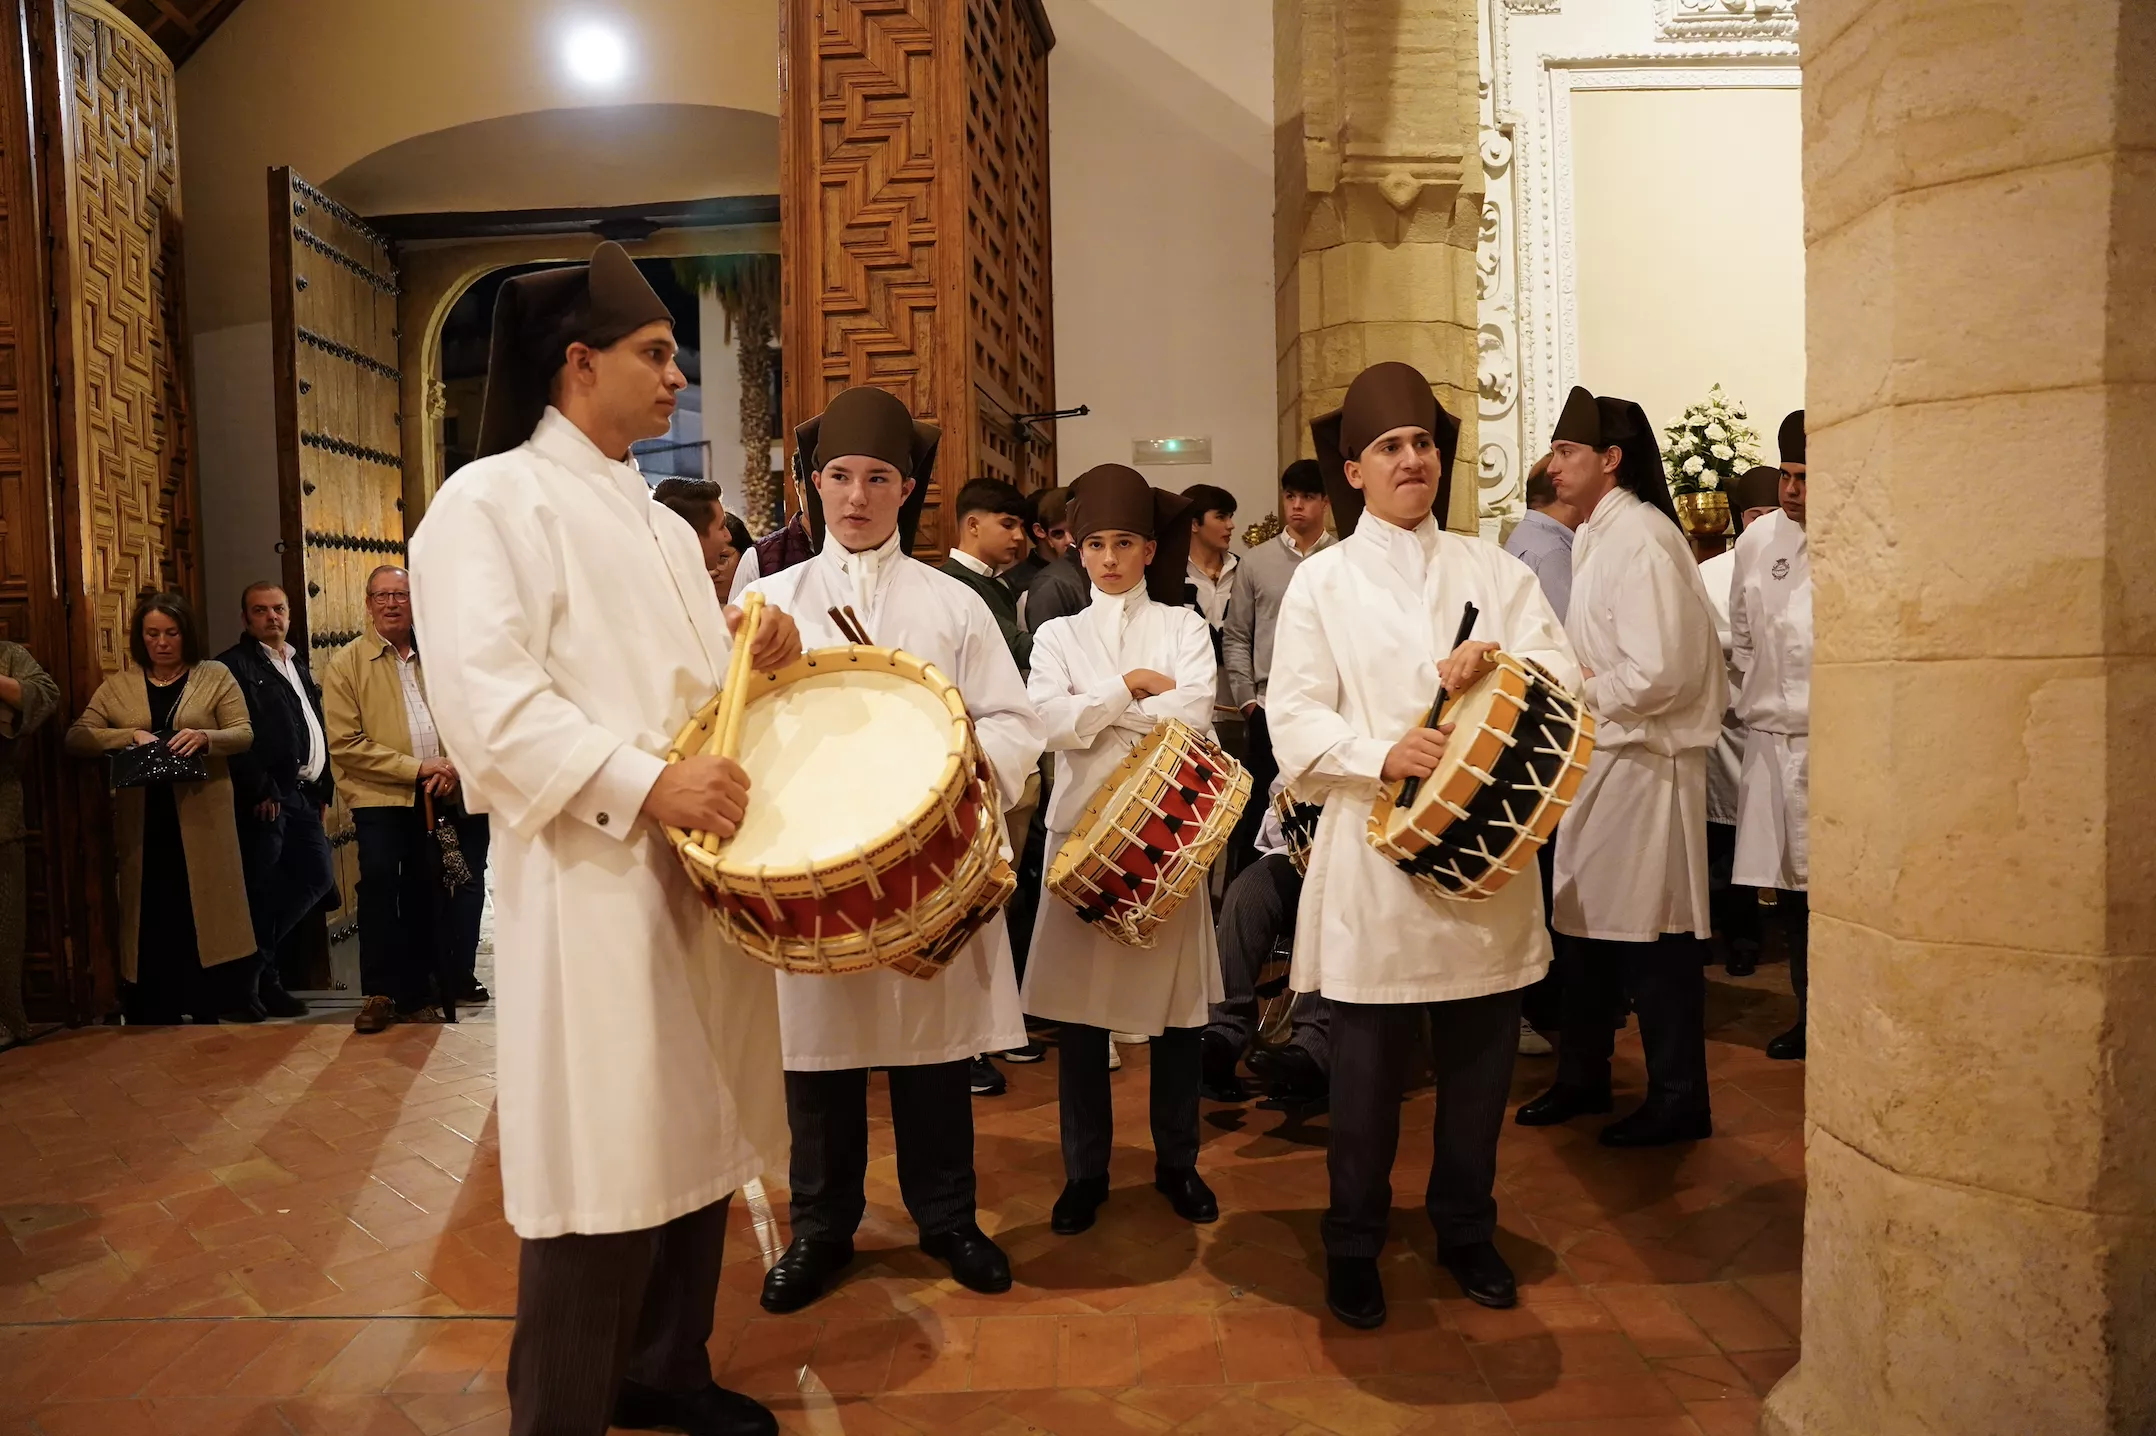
1735, 909
1087, 1106
1025, 904
1668, 991
289, 872
400, 910
1795, 912
1256, 918
592, 1310
1543, 1002
1258, 758
932, 1122
1472, 1044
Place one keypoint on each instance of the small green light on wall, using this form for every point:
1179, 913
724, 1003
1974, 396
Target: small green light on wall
1171, 451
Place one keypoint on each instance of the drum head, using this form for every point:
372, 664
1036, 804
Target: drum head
1467, 714
837, 761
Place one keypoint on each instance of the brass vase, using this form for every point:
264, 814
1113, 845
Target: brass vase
1703, 512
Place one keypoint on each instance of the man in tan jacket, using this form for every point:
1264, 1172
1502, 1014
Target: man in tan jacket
385, 751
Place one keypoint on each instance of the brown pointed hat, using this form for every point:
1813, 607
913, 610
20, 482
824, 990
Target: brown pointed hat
1113, 496
1602, 422
1383, 397
538, 316
874, 422
1759, 487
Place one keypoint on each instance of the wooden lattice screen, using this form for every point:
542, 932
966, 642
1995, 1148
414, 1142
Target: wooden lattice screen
913, 169
333, 329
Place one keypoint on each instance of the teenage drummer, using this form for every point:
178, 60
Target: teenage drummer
1102, 678
1365, 636
872, 464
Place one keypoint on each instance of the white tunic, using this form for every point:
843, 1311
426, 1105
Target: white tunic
570, 630
1726, 762
1077, 973
1632, 853
1361, 630
885, 1018
1771, 649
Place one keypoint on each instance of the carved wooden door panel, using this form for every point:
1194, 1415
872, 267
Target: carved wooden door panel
333, 345
126, 504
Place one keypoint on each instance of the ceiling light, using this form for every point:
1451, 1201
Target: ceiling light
595, 54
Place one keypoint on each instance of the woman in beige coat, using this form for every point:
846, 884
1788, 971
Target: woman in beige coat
183, 896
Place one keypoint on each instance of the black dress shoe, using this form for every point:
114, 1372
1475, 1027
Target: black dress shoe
279, 1003
1217, 1057
471, 990
713, 1411
1354, 1292
1187, 1193
984, 1080
1657, 1125
1481, 1273
1561, 1104
1291, 1075
1074, 1210
978, 1263
801, 1273
1789, 1046
1743, 962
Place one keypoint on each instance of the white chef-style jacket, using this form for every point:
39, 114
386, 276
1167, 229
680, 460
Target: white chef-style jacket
1725, 762
1361, 631
570, 630
884, 1018
1075, 972
1771, 647
1631, 859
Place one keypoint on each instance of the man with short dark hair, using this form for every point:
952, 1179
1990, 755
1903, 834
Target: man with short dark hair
1059, 587
1246, 640
1543, 537
280, 787
389, 755
1212, 569
1046, 538
990, 517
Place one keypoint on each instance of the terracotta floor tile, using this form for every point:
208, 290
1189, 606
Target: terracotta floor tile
295, 1169
1015, 1352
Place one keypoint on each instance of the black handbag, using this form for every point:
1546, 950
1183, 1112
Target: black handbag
148, 764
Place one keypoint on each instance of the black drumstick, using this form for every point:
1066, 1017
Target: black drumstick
1412, 786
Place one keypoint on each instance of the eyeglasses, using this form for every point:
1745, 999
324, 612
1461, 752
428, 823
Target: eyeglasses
393, 596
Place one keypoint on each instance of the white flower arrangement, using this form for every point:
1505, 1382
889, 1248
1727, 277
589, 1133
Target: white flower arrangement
1710, 445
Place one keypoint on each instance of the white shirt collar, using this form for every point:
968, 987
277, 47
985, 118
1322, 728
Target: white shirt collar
1613, 503
973, 565
283, 658
1111, 613
1408, 551
572, 448
863, 570
1287, 541
1228, 561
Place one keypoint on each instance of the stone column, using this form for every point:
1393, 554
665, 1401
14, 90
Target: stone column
1379, 199
1980, 207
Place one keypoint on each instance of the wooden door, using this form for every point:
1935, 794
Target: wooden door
123, 432
340, 473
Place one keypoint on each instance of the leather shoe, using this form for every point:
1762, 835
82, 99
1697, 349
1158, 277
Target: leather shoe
1354, 1292
1291, 1075
1074, 1210
977, 1263
1561, 1104
1217, 1057
1789, 1046
1743, 962
1187, 1193
472, 990
802, 1271
376, 1014
1657, 1124
1482, 1274
713, 1411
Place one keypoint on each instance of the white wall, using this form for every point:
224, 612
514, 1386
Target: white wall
1161, 153
1688, 222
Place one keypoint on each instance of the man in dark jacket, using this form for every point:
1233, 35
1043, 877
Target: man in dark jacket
990, 517
280, 787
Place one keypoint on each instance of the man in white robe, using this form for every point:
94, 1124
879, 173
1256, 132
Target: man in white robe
1631, 867
570, 631
1756, 494
872, 465
1770, 624
1102, 680
1364, 640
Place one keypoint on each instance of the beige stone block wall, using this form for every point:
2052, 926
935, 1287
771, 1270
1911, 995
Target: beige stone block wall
1378, 206
1980, 1243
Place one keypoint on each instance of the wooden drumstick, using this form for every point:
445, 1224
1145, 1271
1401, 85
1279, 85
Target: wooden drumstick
860, 629
737, 698
1412, 786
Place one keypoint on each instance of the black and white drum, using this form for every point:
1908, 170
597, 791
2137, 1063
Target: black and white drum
1518, 750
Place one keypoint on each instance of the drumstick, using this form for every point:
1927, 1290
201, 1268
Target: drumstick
752, 610
1412, 786
858, 626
